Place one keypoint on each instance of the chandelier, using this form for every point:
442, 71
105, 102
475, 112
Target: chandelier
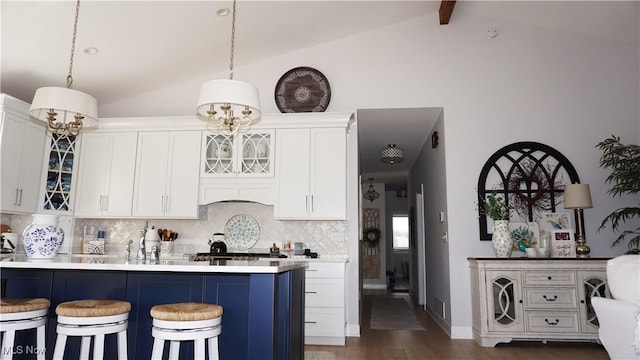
371, 194
229, 105
65, 110
391, 154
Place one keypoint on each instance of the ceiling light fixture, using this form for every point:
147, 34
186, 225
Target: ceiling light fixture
229, 97
65, 110
391, 154
371, 194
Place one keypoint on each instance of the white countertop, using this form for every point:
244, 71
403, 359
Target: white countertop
176, 264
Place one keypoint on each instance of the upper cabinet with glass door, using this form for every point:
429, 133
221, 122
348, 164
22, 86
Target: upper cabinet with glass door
59, 173
246, 154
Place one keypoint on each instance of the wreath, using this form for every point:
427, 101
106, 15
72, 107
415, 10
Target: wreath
372, 236
531, 187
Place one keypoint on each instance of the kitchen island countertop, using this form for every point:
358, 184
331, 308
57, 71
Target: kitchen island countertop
118, 262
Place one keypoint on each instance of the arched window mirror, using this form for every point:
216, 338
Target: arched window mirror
529, 175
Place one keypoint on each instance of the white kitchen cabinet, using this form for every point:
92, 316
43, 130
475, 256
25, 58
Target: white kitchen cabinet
311, 174
22, 149
106, 172
535, 299
325, 322
244, 154
167, 174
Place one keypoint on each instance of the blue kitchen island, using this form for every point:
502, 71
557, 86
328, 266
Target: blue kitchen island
263, 301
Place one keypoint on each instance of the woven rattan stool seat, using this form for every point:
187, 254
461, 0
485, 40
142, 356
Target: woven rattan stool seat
93, 308
10, 306
190, 311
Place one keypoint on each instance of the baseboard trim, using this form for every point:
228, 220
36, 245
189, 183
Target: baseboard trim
353, 330
322, 340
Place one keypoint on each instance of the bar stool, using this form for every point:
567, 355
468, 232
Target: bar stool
189, 321
23, 314
92, 319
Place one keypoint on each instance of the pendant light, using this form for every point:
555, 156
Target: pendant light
391, 154
229, 105
371, 194
66, 111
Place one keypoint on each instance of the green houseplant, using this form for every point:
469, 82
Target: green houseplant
496, 208
624, 162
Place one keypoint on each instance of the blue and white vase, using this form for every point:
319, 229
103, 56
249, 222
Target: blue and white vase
43, 238
501, 239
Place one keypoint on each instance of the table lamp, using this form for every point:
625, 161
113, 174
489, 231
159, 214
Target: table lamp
578, 197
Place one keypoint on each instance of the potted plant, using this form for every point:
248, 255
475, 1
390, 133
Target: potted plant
496, 208
624, 162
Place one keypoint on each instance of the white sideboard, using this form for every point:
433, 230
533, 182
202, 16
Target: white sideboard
535, 299
324, 322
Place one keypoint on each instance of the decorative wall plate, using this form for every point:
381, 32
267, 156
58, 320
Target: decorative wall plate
241, 232
302, 89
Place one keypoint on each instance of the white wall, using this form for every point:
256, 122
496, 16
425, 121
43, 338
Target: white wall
562, 89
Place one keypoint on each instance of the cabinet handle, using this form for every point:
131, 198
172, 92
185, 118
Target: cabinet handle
555, 297
20, 198
166, 203
552, 323
310, 322
310, 292
306, 203
312, 203
101, 203
106, 203
162, 203
15, 198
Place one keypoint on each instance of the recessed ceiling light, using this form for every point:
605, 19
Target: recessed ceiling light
91, 50
223, 12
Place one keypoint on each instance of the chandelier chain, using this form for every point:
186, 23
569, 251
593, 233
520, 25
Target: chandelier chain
233, 40
73, 46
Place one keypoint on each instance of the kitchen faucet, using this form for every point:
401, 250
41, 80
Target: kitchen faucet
142, 250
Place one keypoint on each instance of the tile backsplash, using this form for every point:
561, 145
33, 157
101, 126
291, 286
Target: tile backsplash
323, 237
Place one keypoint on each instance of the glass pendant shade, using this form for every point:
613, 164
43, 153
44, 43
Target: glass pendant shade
66, 103
371, 194
391, 154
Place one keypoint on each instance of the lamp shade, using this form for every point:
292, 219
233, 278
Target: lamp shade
234, 92
67, 103
577, 196
391, 154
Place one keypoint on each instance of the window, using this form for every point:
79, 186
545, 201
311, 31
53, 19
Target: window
400, 225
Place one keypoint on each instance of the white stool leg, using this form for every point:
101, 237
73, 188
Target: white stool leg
41, 342
84, 347
198, 349
7, 345
158, 349
61, 343
122, 345
98, 347
213, 348
174, 350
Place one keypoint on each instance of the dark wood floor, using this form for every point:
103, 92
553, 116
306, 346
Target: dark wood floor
435, 344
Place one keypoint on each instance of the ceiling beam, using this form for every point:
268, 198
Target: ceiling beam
446, 9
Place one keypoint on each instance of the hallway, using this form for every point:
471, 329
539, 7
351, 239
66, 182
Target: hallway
435, 344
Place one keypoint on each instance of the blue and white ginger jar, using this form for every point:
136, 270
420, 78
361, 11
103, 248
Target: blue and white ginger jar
43, 238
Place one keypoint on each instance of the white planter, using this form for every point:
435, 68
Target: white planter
43, 238
501, 239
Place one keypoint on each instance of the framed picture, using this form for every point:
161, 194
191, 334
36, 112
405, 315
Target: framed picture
548, 222
524, 235
563, 244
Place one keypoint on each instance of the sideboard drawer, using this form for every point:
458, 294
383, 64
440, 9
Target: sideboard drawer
550, 278
551, 298
552, 322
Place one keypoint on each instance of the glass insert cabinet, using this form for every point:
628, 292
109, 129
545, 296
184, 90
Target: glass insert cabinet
535, 299
247, 154
57, 194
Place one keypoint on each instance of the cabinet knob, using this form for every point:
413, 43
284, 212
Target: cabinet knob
520, 301
548, 277
582, 301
